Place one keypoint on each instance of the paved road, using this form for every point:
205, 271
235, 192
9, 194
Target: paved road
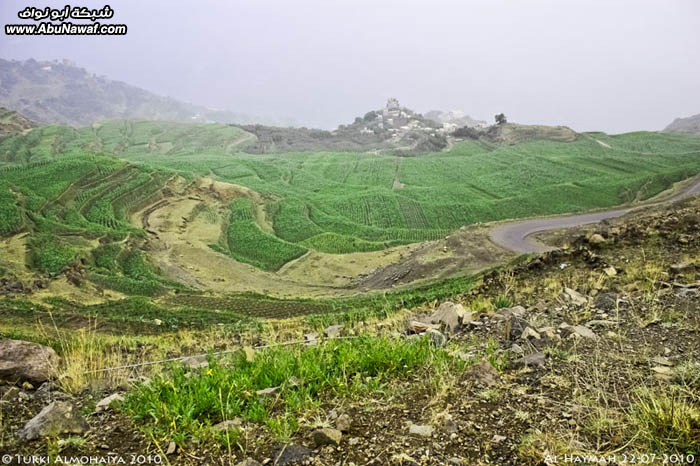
516, 235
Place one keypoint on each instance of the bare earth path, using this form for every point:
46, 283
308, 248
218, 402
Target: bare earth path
516, 235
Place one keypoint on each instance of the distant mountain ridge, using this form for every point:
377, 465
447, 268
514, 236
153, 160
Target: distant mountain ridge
61, 92
690, 125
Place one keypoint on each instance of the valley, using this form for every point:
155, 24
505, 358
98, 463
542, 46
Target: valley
167, 262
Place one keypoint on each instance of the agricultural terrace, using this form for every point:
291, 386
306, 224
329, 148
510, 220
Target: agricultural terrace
329, 202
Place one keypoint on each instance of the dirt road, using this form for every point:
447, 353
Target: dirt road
516, 235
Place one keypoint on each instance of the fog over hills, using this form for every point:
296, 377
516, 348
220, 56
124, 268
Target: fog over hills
685, 125
59, 91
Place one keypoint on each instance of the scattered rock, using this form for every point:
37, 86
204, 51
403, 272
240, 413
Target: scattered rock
530, 333
23, 361
483, 373
515, 348
450, 426
157, 321
333, 331
509, 312
436, 338
596, 238
575, 297
662, 361
60, 417
498, 438
548, 332
248, 462
579, 331
515, 326
229, 424
610, 271
343, 423
311, 337
451, 316
326, 436
172, 447
416, 326
195, 362
420, 431
606, 301
267, 391
602, 323
105, 403
48, 392
531, 360
680, 268
290, 454
662, 372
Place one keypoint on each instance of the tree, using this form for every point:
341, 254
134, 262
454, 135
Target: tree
501, 119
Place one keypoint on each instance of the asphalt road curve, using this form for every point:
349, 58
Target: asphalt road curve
516, 235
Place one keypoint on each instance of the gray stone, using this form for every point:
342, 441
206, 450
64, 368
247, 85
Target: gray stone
267, 391
530, 333
420, 431
575, 297
333, 331
290, 454
534, 359
483, 373
248, 462
680, 268
48, 392
515, 326
105, 403
343, 423
195, 362
606, 301
450, 426
416, 326
451, 316
596, 239
326, 436
23, 361
225, 426
172, 447
60, 417
579, 331
436, 338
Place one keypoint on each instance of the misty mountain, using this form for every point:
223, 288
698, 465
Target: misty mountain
61, 92
689, 125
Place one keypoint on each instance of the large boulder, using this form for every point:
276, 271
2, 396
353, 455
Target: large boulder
23, 361
451, 316
60, 417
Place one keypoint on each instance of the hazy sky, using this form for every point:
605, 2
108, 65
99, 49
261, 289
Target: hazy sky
612, 65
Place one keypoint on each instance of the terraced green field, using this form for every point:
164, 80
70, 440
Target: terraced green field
86, 181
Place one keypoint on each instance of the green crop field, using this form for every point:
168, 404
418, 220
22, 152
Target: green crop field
59, 181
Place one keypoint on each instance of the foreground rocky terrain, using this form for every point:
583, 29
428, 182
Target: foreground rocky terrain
593, 349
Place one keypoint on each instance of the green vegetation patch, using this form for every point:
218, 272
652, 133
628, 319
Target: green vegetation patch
248, 243
183, 405
333, 243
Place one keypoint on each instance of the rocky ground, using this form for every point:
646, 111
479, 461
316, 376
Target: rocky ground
592, 349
